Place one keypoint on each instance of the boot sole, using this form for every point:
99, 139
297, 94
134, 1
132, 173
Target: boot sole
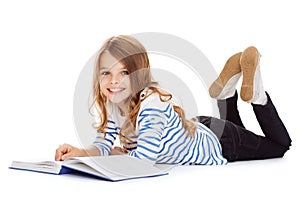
231, 68
249, 59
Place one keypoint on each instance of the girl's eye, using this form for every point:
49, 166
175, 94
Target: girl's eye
105, 73
125, 72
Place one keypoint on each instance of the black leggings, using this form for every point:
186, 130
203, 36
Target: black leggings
238, 143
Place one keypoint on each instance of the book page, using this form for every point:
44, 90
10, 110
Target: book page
42, 166
84, 165
120, 166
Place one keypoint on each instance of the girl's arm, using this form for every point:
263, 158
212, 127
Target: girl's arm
104, 142
152, 120
102, 145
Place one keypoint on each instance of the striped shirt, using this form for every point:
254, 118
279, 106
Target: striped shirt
161, 137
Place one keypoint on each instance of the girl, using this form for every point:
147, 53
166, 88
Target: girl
134, 110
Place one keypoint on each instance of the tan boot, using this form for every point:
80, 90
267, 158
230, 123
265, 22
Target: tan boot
252, 90
225, 85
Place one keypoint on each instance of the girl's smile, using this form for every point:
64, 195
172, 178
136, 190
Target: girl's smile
115, 90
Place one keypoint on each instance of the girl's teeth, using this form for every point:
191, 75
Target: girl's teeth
115, 90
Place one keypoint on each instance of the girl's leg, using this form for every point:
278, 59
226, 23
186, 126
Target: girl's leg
246, 144
239, 144
271, 124
229, 111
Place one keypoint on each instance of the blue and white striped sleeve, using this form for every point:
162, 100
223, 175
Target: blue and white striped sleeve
105, 144
151, 123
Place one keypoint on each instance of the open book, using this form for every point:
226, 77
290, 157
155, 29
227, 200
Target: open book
112, 168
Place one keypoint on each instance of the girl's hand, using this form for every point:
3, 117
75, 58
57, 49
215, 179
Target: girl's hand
65, 151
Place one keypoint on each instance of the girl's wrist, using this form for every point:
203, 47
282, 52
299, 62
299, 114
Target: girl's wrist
91, 151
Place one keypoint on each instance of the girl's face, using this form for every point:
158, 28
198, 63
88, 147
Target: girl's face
114, 79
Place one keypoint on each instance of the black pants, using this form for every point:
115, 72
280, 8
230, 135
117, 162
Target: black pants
238, 143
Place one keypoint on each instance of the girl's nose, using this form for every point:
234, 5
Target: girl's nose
115, 80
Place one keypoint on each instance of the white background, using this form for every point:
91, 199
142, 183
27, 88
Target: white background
45, 44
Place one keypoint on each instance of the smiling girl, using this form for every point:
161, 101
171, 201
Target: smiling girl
142, 117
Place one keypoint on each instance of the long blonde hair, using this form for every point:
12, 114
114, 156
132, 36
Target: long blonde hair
132, 54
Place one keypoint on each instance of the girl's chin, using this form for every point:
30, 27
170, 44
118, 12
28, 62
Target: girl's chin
118, 100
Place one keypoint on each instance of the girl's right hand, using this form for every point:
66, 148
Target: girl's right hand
65, 151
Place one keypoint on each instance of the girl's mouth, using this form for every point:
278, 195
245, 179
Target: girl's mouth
115, 90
